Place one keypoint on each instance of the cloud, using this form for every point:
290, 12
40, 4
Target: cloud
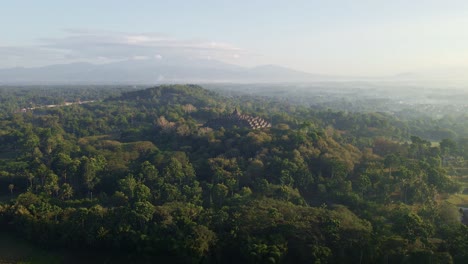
114, 45
29, 56
107, 46
140, 58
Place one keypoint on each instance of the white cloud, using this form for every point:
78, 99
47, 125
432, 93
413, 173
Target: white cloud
106, 46
129, 42
140, 58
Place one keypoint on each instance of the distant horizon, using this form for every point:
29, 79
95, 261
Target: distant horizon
141, 72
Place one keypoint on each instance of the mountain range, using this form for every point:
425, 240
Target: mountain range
154, 71
181, 70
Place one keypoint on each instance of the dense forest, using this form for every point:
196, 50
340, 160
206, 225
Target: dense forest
134, 175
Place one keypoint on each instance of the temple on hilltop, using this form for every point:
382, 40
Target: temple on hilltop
238, 120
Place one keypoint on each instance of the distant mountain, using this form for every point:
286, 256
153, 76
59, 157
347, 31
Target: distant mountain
182, 70
167, 70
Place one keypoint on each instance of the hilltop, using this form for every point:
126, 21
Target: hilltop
170, 95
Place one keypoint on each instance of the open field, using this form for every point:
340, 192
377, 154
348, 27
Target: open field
460, 199
16, 250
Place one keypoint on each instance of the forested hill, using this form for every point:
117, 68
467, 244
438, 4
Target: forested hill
137, 178
171, 94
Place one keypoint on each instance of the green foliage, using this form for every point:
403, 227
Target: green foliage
138, 176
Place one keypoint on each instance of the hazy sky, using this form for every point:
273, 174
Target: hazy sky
340, 37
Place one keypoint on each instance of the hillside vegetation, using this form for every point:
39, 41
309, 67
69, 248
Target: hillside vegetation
137, 177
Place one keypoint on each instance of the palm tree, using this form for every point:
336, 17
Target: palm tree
11, 186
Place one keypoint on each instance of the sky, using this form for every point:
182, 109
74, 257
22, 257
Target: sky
334, 37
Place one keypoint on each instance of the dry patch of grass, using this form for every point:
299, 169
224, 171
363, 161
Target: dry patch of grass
458, 200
